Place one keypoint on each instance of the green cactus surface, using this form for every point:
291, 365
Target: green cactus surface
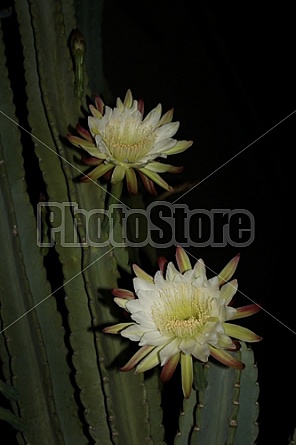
224, 410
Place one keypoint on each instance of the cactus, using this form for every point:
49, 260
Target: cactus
224, 409
59, 370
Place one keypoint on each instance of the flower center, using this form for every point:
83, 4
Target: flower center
128, 140
182, 310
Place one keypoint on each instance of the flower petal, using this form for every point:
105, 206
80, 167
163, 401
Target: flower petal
162, 263
134, 332
169, 368
138, 356
116, 328
186, 374
160, 148
187, 345
95, 153
118, 174
153, 338
148, 184
151, 360
226, 358
199, 271
201, 352
84, 133
152, 118
183, 260
123, 293
140, 273
119, 104
240, 332
82, 143
166, 131
139, 305
91, 160
97, 172
228, 270
145, 299
121, 302
99, 104
167, 117
141, 106
171, 272
94, 125
128, 100
131, 180
225, 342
95, 112
171, 348
160, 167
178, 148
157, 179
146, 323
246, 311
228, 291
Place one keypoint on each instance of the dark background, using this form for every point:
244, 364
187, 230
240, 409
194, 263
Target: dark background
228, 70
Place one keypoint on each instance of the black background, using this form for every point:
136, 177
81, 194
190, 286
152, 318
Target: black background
228, 70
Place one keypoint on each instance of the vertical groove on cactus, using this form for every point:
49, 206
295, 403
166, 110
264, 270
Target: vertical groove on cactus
227, 408
6, 414
38, 122
153, 402
104, 392
186, 420
29, 365
245, 402
28, 360
56, 112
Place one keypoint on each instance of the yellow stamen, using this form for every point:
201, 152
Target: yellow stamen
127, 141
182, 311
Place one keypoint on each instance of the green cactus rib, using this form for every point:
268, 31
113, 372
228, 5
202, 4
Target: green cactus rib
120, 387
213, 409
224, 411
8, 391
11, 394
38, 357
92, 352
246, 411
45, 91
186, 420
28, 363
69, 15
153, 401
125, 392
14, 421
